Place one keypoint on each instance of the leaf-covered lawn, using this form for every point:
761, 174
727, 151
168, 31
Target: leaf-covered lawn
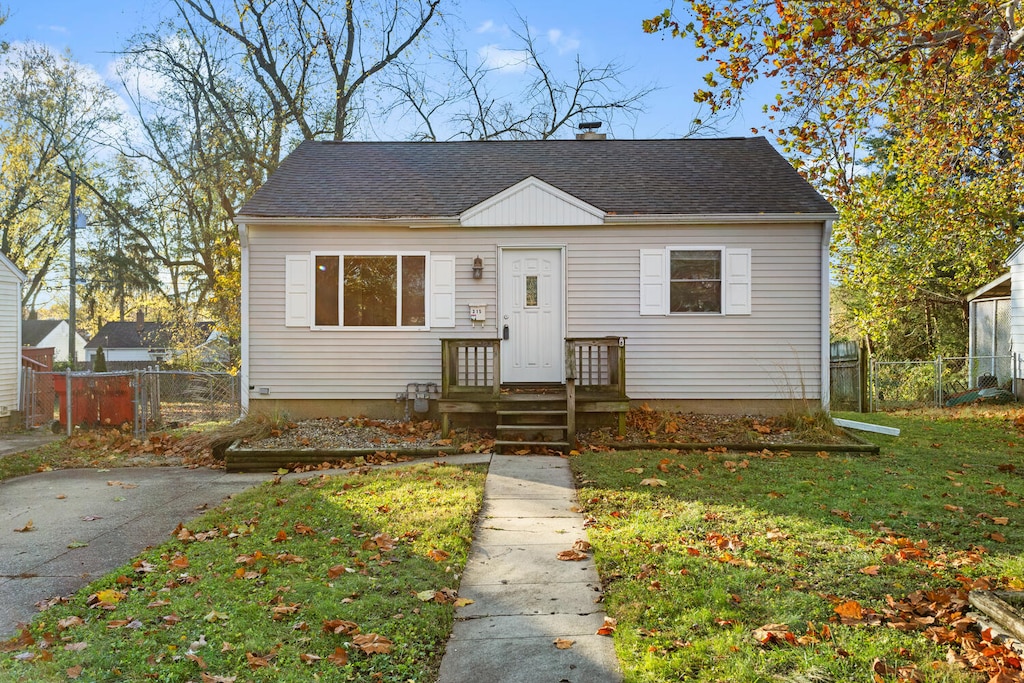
339, 578
761, 567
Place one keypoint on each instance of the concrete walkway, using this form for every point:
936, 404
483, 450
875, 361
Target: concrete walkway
524, 597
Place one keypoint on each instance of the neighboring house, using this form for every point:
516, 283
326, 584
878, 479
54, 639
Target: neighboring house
141, 342
51, 334
11, 280
704, 261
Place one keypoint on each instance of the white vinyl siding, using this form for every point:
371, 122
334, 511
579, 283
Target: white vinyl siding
774, 352
10, 343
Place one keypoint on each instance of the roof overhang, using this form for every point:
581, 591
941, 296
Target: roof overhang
997, 288
609, 219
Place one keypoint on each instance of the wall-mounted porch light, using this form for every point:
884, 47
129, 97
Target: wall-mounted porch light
478, 268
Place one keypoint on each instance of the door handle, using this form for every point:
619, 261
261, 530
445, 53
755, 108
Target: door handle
504, 333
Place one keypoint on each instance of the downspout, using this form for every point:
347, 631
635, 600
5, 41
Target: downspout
826, 284
243, 241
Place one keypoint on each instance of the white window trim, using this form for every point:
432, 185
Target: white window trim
341, 291
655, 282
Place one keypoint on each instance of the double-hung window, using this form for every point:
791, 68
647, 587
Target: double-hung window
693, 280
370, 290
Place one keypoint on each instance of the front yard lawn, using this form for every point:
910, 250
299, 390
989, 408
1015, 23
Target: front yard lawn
346, 578
768, 567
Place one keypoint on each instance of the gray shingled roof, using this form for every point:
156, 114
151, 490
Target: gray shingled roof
34, 331
132, 335
425, 179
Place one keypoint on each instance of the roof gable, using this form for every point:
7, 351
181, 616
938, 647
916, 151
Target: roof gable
35, 331
446, 180
9, 265
531, 202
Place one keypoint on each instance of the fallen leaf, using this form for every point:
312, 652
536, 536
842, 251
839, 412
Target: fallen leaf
74, 672
653, 481
372, 643
608, 628
339, 657
582, 546
26, 528
462, 602
870, 571
563, 643
437, 555
64, 624
572, 556
635, 470
310, 658
850, 609
343, 628
255, 661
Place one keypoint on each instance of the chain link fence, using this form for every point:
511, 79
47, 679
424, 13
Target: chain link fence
140, 400
901, 385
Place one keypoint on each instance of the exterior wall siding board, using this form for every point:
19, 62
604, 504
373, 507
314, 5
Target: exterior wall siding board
10, 344
772, 353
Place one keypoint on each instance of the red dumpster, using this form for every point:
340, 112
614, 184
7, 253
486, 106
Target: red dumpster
96, 400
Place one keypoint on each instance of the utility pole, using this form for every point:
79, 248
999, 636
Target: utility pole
74, 276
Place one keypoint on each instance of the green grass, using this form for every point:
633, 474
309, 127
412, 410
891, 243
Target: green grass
310, 552
733, 542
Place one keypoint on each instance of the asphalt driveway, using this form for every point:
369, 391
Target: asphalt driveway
88, 522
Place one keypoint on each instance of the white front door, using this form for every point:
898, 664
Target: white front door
532, 315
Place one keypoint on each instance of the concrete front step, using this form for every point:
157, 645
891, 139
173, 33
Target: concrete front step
549, 444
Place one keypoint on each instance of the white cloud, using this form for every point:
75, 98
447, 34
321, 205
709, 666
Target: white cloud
561, 42
496, 57
55, 28
486, 27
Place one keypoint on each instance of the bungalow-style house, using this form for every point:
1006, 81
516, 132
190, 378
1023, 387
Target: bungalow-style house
142, 342
51, 334
11, 281
690, 274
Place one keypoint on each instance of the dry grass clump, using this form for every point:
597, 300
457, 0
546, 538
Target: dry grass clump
216, 441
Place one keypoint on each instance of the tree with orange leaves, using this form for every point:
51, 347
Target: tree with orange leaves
907, 114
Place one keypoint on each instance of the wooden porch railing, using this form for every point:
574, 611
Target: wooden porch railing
470, 366
597, 364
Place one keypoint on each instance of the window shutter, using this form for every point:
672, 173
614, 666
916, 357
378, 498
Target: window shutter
442, 291
653, 282
737, 282
297, 278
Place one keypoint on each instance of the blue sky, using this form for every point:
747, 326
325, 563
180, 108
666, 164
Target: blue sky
599, 30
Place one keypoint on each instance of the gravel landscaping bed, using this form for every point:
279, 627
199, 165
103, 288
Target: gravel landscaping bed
643, 426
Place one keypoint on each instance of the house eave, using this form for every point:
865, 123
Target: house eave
609, 219
347, 222
984, 289
704, 218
